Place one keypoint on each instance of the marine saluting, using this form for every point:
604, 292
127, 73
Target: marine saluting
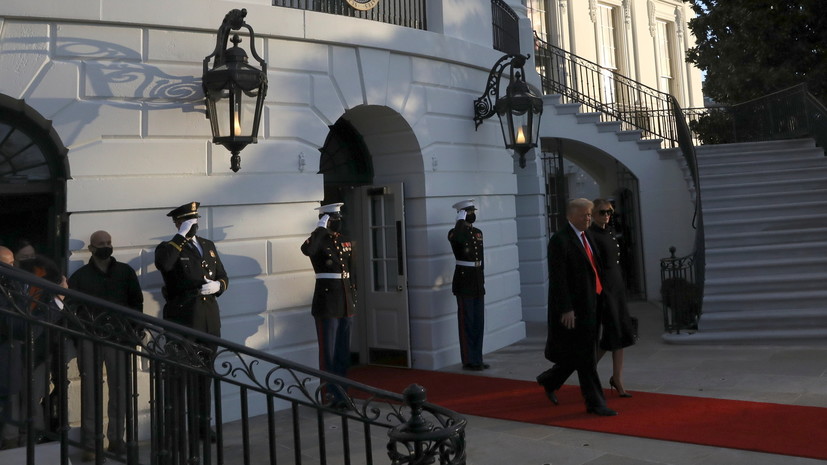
334, 297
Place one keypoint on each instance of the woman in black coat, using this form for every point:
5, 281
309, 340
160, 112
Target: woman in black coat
617, 330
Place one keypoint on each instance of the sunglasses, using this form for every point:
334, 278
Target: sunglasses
606, 212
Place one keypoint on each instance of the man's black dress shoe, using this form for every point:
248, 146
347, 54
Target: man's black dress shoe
549, 391
475, 366
602, 411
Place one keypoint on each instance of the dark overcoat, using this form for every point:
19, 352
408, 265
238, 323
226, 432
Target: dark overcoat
331, 253
617, 331
571, 287
184, 271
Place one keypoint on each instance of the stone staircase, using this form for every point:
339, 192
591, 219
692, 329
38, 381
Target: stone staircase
765, 212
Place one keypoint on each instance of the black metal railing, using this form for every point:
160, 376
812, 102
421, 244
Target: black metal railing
407, 13
265, 409
506, 27
681, 293
599, 89
790, 113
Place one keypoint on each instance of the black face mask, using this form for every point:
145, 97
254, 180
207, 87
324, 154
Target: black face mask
103, 252
335, 225
471, 217
192, 231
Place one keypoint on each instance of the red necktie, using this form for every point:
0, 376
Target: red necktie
598, 286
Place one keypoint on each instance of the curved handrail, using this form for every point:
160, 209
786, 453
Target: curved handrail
184, 352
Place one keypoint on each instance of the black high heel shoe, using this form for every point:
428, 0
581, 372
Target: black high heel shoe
620, 392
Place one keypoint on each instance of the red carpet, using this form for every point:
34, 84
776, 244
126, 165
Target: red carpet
762, 427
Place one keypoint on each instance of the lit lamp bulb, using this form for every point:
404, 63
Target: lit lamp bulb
520, 136
236, 126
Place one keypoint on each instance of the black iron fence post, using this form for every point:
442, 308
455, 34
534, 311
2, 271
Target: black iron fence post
422, 442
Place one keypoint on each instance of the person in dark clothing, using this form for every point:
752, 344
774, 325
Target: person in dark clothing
116, 282
193, 274
50, 349
575, 288
334, 297
193, 279
12, 336
469, 284
616, 324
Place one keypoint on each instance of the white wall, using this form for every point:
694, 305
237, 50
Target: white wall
121, 83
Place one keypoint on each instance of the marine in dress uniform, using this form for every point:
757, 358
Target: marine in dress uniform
469, 284
193, 278
334, 298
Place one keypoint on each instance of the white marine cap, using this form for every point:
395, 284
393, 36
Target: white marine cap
464, 204
331, 208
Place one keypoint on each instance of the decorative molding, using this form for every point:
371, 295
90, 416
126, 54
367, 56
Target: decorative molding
627, 12
593, 10
650, 8
679, 22
563, 5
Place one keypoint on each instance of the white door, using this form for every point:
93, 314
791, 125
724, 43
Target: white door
383, 282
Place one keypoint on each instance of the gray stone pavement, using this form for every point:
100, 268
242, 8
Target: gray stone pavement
787, 374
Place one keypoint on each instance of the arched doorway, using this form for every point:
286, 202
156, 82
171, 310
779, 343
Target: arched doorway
33, 174
374, 221
614, 182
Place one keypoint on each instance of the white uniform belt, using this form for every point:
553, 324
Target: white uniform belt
332, 275
472, 264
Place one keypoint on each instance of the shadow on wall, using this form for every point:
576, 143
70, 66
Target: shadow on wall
112, 75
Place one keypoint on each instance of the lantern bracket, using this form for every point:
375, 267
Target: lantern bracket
484, 107
233, 21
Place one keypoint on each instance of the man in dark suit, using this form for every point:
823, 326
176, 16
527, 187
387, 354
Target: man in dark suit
334, 298
116, 282
469, 284
573, 302
193, 278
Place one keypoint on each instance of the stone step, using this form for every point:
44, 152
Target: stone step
758, 267
765, 212
588, 118
812, 232
629, 135
714, 190
608, 126
732, 284
789, 250
747, 320
765, 301
650, 144
795, 197
803, 159
567, 108
790, 222
809, 335
790, 175
48, 453
746, 149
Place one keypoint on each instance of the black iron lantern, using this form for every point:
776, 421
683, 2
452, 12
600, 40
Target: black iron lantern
519, 109
234, 90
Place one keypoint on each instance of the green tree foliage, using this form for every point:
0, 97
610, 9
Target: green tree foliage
750, 48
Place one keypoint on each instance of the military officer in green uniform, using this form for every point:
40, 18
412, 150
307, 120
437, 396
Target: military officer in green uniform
193, 279
469, 284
